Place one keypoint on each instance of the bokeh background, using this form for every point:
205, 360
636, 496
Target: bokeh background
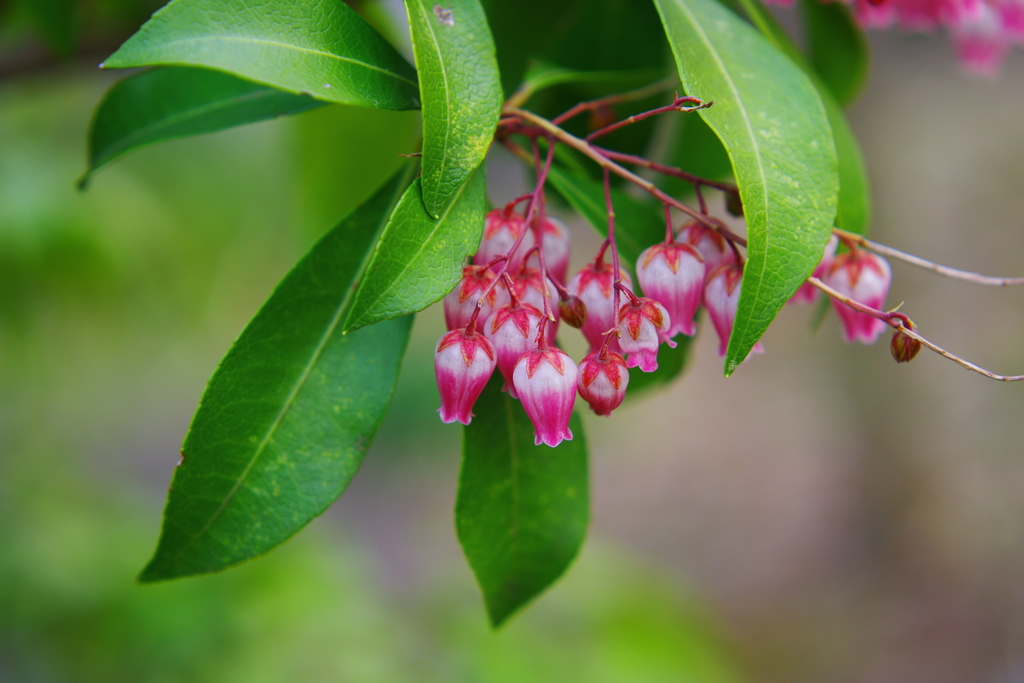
823, 515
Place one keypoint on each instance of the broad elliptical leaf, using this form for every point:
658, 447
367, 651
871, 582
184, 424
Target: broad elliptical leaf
774, 127
288, 416
522, 510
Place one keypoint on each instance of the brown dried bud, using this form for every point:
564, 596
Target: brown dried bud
904, 348
573, 311
733, 203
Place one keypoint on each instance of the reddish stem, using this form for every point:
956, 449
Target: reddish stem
677, 105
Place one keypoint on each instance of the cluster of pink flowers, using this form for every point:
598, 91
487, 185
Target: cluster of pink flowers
983, 31
504, 315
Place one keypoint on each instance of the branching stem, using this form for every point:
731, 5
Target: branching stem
901, 322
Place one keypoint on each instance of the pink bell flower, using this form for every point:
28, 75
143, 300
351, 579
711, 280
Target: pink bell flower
555, 245
529, 286
602, 382
712, 246
460, 303
643, 326
673, 275
865, 278
512, 330
545, 379
808, 293
594, 285
721, 296
463, 362
502, 228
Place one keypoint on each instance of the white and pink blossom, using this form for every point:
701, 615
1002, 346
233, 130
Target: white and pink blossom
673, 275
865, 278
643, 326
603, 379
545, 380
463, 362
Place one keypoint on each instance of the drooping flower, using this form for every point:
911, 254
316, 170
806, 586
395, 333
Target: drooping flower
545, 379
529, 286
721, 296
808, 293
594, 285
501, 229
602, 381
673, 275
461, 301
643, 326
463, 362
712, 246
512, 330
555, 245
863, 277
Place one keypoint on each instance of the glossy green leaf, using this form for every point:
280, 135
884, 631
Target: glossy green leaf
854, 210
174, 102
461, 92
637, 225
419, 259
323, 49
290, 412
774, 126
522, 510
837, 47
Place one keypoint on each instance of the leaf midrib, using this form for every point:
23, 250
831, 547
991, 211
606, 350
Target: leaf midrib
440, 221
746, 121
447, 89
286, 46
286, 406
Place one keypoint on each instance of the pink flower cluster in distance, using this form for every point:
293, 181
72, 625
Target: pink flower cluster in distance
982, 31
504, 314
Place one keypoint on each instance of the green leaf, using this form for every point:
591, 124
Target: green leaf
637, 225
175, 102
774, 126
461, 92
854, 210
837, 47
288, 415
418, 258
522, 510
323, 49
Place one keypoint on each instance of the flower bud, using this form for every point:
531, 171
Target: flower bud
512, 331
501, 229
721, 296
573, 311
708, 242
903, 347
733, 204
603, 382
595, 285
461, 301
643, 325
555, 245
863, 277
463, 362
673, 275
808, 292
545, 379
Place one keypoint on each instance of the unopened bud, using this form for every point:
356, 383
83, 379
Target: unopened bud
573, 311
733, 204
903, 346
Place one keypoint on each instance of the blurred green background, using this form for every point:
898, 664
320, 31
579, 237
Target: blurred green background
824, 515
